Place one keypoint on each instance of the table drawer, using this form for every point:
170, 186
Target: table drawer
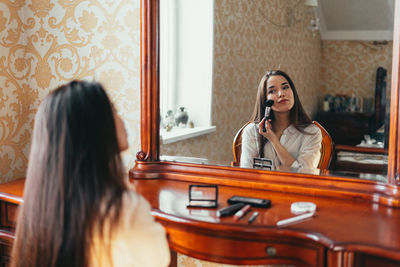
8, 215
230, 250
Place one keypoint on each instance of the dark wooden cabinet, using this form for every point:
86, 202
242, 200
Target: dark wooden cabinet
365, 260
339, 165
347, 128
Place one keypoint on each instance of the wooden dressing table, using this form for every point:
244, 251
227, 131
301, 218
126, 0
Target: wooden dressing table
346, 231
10, 198
343, 232
350, 228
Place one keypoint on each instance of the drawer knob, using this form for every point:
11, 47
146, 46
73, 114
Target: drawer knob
271, 251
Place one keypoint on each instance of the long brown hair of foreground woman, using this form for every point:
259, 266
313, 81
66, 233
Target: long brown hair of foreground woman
75, 179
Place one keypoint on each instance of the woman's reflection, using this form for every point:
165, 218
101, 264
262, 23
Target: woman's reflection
290, 138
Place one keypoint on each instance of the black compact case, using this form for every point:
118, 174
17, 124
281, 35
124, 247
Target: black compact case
254, 202
230, 210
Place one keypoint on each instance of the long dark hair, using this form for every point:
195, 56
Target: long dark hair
75, 177
298, 117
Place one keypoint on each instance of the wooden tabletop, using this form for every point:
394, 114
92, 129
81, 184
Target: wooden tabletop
12, 191
338, 224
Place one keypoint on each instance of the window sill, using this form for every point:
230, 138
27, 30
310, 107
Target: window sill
179, 134
184, 159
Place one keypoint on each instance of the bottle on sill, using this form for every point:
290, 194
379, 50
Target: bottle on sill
169, 120
325, 106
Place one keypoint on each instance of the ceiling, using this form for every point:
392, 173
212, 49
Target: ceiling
356, 19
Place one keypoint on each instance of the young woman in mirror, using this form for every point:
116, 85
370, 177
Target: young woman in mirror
290, 139
78, 209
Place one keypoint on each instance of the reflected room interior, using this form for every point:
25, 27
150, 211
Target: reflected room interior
338, 54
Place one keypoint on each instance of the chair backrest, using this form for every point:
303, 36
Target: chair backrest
326, 147
237, 146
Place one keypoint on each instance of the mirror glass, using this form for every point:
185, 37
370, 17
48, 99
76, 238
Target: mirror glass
213, 54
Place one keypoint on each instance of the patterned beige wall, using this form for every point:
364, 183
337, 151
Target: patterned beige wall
46, 43
252, 37
349, 67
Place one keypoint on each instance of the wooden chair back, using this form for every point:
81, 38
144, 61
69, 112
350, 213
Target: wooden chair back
326, 148
237, 146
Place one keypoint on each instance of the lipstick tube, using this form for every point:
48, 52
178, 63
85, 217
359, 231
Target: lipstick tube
238, 215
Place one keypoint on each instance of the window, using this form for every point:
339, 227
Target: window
186, 65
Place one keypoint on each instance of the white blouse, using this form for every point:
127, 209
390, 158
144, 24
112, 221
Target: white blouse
305, 148
138, 240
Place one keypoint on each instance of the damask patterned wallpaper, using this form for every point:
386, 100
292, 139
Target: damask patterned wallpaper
44, 44
349, 67
250, 38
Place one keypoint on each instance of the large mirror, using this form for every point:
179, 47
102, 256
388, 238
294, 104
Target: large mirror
213, 54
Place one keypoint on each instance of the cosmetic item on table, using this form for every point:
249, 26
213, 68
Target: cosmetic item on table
253, 217
203, 196
302, 207
230, 210
295, 219
254, 202
238, 215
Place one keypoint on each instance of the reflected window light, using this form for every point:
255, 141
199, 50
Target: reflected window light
170, 202
375, 198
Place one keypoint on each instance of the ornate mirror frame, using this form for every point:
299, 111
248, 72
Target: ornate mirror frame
148, 164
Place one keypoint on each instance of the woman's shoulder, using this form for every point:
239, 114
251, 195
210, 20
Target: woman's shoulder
134, 201
312, 128
130, 195
135, 211
250, 127
309, 130
249, 132
305, 129
138, 236
313, 132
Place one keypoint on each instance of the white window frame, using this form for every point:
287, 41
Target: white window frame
186, 64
